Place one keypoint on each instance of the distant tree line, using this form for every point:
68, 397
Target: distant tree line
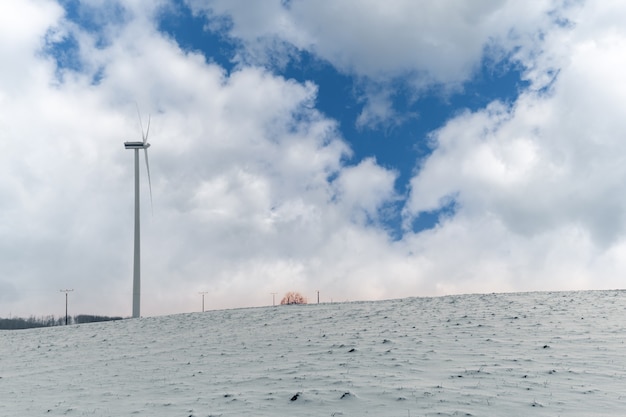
17, 323
87, 318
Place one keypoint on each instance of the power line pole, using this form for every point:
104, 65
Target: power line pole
66, 292
273, 298
203, 293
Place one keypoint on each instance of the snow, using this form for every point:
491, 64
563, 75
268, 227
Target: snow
527, 354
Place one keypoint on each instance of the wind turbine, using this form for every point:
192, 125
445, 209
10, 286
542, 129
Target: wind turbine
137, 257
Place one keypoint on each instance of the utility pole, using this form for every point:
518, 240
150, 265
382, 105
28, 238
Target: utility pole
202, 293
273, 298
66, 292
318, 296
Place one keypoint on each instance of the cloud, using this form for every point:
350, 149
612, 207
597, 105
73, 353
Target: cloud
244, 172
442, 41
420, 46
23, 27
550, 158
252, 190
538, 183
364, 189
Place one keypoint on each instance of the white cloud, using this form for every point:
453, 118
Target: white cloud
242, 170
23, 27
551, 157
444, 41
424, 45
364, 189
251, 191
539, 184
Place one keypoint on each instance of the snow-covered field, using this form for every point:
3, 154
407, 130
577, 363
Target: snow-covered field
532, 354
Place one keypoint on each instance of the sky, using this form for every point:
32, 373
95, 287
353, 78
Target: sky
363, 149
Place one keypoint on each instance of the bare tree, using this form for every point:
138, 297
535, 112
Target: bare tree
293, 298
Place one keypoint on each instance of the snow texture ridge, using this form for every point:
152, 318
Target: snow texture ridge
530, 354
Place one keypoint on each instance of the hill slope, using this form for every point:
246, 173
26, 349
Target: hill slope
532, 354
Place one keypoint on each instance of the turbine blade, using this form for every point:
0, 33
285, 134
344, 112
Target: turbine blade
149, 181
145, 139
140, 123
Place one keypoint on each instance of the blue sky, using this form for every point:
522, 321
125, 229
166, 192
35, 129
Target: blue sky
396, 144
367, 150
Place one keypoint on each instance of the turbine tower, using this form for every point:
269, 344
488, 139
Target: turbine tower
137, 257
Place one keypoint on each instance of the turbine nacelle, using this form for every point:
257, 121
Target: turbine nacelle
136, 145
